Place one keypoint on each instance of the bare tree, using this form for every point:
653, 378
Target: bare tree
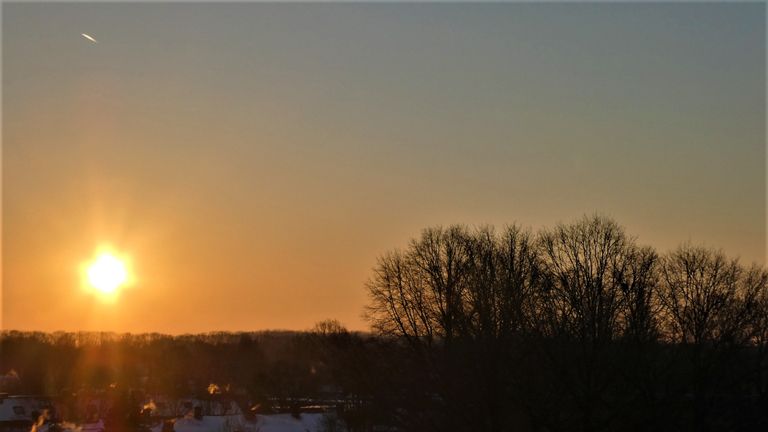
598, 282
420, 293
710, 307
401, 301
457, 296
597, 289
503, 275
707, 298
455, 283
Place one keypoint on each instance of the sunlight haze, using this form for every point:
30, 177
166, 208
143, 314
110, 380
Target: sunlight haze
253, 160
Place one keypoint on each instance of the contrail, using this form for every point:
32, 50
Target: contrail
89, 37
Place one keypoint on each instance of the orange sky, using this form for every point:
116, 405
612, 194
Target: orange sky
253, 160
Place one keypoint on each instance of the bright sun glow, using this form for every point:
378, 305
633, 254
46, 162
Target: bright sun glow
107, 273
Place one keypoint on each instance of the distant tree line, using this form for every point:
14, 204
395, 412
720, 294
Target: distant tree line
257, 364
265, 371
572, 328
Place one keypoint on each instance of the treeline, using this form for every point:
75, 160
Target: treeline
268, 363
572, 328
267, 371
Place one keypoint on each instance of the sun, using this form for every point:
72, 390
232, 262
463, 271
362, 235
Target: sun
107, 273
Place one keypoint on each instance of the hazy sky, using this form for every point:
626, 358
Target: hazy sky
254, 159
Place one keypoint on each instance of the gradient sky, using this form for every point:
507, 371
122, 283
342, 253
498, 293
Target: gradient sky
255, 159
